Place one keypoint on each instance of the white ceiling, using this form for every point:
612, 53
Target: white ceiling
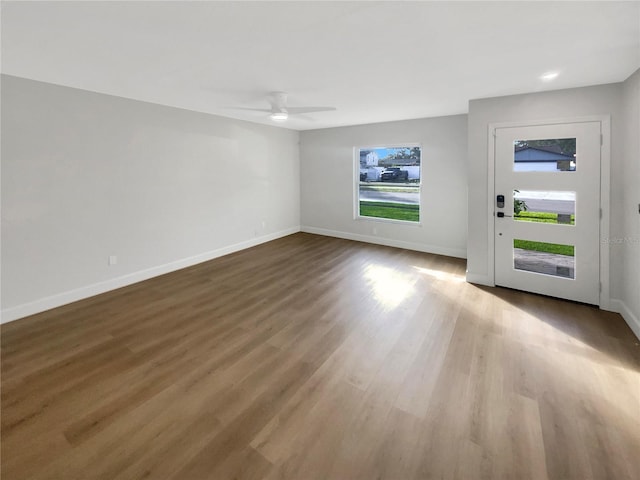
374, 61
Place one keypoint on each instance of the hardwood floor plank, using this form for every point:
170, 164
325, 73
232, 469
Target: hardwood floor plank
239, 433
319, 358
313, 449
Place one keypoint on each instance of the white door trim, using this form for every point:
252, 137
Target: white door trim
605, 194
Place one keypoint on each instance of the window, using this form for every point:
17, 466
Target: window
549, 155
389, 183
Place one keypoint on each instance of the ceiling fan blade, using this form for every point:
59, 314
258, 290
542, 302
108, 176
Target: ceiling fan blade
296, 110
265, 110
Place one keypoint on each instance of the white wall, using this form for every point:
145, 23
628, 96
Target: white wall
577, 102
630, 240
327, 183
87, 175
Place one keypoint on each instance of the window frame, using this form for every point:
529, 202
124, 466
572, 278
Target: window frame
356, 184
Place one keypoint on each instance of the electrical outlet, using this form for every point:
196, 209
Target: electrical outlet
113, 259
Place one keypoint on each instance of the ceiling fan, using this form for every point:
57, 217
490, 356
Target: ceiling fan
279, 110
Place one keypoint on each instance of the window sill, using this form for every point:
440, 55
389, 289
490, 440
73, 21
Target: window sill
388, 220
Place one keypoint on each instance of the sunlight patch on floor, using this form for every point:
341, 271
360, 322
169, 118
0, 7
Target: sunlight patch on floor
388, 286
440, 275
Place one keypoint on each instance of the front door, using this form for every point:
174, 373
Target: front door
547, 209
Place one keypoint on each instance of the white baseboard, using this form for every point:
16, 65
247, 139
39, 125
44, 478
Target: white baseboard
449, 252
607, 304
53, 301
479, 279
620, 307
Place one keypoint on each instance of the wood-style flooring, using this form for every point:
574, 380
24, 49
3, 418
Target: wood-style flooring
318, 358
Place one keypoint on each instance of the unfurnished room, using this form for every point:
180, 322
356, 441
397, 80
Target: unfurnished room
315, 240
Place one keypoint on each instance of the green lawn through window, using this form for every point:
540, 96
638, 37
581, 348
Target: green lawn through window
544, 247
542, 217
396, 211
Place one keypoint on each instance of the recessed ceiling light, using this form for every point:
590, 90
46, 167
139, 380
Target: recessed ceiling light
547, 77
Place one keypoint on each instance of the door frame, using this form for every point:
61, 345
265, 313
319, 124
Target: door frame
605, 193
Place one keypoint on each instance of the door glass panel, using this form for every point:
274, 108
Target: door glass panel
544, 206
548, 155
547, 258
